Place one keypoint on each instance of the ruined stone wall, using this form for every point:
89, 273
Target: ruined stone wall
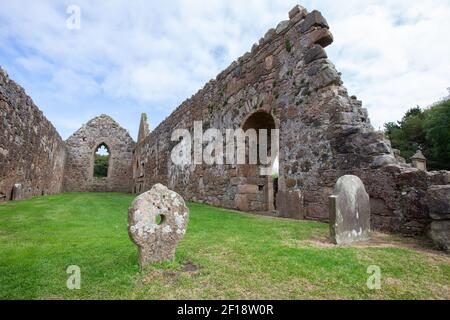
324, 134
286, 82
31, 151
286, 75
81, 148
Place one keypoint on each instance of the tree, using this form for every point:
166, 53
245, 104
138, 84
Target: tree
437, 131
428, 130
101, 163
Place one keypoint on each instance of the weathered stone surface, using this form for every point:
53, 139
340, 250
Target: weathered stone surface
157, 240
144, 129
438, 199
398, 156
313, 19
283, 25
297, 10
440, 234
31, 151
268, 62
419, 161
349, 211
242, 202
248, 189
81, 147
315, 53
269, 35
322, 37
383, 160
291, 205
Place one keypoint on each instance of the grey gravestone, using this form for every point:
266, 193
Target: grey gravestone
17, 192
349, 211
439, 232
157, 221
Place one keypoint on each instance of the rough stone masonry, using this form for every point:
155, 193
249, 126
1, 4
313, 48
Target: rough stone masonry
285, 82
32, 154
80, 150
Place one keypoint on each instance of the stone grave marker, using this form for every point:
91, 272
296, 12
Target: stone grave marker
157, 221
349, 211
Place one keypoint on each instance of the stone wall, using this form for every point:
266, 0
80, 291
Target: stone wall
81, 148
287, 77
287, 82
31, 151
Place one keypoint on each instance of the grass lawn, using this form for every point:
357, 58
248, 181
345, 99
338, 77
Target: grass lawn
225, 255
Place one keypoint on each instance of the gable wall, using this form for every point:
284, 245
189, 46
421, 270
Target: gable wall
81, 147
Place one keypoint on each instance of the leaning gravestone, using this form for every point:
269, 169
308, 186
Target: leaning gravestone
349, 211
157, 221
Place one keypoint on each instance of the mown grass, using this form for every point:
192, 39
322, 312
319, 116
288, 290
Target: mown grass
231, 256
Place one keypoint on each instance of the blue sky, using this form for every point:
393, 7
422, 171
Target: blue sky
148, 56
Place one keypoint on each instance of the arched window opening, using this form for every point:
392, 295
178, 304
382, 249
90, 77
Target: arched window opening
101, 161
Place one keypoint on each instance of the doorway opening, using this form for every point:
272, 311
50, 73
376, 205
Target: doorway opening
257, 192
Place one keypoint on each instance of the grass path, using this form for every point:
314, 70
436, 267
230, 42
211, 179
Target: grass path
225, 255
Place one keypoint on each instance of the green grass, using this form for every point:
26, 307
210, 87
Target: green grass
239, 256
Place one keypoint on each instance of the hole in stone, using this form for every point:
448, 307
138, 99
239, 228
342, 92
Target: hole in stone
159, 220
260, 188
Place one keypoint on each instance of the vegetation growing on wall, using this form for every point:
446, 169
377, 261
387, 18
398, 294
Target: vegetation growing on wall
428, 130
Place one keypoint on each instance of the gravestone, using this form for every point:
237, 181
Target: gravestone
17, 192
349, 211
157, 221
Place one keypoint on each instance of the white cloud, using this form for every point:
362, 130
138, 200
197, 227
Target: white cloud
151, 55
392, 54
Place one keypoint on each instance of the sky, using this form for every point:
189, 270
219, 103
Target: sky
136, 56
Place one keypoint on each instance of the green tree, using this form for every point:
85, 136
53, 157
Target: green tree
437, 130
428, 130
101, 164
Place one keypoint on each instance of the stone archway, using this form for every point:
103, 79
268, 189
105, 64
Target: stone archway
256, 193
